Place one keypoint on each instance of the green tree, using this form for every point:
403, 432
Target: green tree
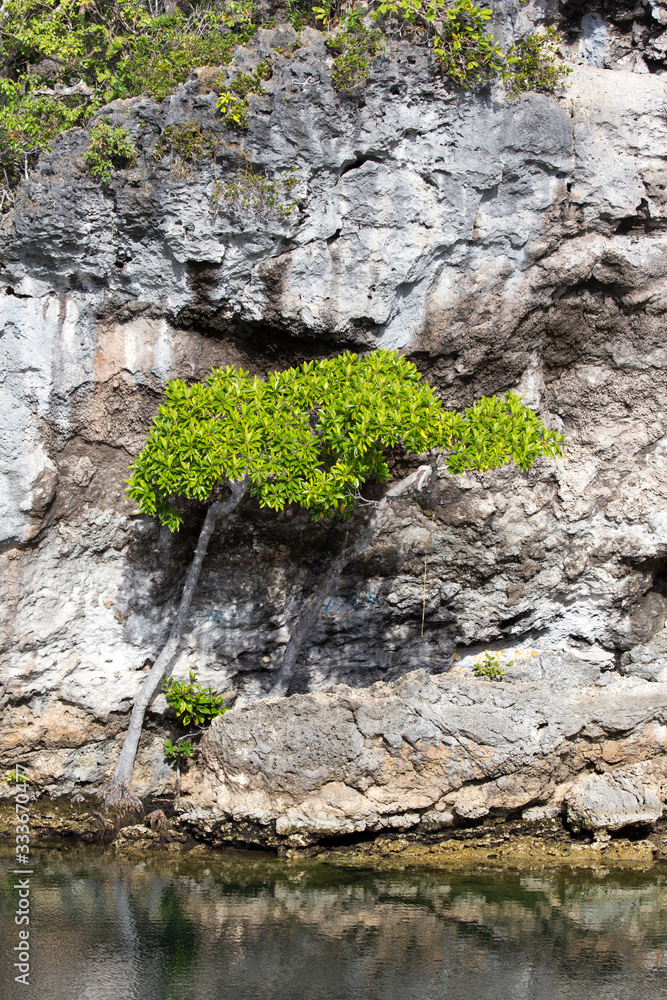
311, 436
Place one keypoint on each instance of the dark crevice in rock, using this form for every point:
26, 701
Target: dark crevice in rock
633, 832
659, 581
489, 194
348, 840
359, 161
591, 286
284, 246
507, 623
575, 833
642, 221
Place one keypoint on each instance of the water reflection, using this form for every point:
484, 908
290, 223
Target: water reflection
252, 928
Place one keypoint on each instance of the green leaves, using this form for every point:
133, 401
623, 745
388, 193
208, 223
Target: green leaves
29, 124
469, 55
356, 47
533, 64
114, 47
191, 702
313, 435
490, 667
495, 431
182, 748
109, 149
233, 100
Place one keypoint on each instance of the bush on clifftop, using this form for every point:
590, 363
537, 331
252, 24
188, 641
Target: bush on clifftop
62, 60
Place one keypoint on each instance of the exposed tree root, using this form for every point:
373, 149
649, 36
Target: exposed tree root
118, 795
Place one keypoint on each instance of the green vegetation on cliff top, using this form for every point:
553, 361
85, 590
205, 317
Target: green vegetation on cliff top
62, 60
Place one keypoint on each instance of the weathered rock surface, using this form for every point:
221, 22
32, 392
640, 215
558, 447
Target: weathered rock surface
501, 244
648, 660
612, 801
427, 753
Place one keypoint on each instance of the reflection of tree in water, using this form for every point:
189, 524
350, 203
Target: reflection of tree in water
177, 939
152, 920
249, 927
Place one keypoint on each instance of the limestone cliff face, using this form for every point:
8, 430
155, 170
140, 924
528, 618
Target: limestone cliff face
500, 244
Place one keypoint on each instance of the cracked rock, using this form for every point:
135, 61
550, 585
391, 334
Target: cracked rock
611, 802
424, 752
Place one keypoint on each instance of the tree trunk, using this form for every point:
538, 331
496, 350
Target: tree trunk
117, 791
306, 621
416, 482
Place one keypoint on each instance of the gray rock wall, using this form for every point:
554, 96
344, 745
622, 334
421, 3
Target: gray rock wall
500, 244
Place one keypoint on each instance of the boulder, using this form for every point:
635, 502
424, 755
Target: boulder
611, 802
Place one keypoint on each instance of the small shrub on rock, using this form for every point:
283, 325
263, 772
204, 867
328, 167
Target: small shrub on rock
301, 14
252, 190
356, 46
191, 701
233, 100
175, 753
466, 52
29, 123
535, 64
489, 667
110, 148
180, 749
187, 141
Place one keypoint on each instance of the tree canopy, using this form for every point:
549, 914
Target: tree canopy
314, 434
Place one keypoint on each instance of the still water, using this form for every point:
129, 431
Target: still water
229, 926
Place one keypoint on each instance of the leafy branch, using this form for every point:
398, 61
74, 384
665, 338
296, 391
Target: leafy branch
313, 435
181, 749
191, 702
